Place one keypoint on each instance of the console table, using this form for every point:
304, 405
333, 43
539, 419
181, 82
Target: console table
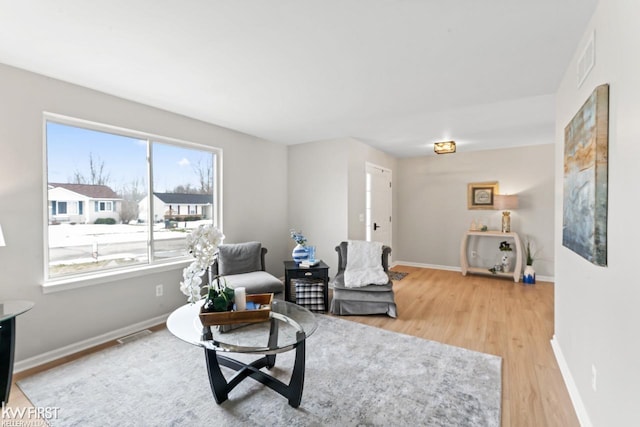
8, 312
464, 261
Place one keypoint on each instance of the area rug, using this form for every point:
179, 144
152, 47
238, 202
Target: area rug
356, 375
397, 275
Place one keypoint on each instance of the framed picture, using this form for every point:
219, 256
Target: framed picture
586, 147
480, 195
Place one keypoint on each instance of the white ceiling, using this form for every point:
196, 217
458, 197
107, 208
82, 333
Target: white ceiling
396, 74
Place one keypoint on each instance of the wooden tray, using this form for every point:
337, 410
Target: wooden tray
246, 316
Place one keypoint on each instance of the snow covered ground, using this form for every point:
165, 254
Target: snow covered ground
65, 235
88, 243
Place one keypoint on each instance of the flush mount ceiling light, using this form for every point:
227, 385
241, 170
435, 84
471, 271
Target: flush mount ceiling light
444, 147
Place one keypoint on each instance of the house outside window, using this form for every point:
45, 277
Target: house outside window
98, 185
67, 201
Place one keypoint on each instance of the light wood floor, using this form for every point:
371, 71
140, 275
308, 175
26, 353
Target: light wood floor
481, 313
495, 316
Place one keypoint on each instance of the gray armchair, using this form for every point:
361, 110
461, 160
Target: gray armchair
243, 265
369, 299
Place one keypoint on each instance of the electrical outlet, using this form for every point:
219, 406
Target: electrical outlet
159, 290
474, 254
594, 375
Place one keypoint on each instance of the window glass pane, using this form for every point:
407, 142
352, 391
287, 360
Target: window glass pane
99, 213
107, 172
183, 188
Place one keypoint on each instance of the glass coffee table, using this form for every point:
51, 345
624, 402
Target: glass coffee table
288, 327
8, 312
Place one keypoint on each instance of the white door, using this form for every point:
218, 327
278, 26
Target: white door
378, 204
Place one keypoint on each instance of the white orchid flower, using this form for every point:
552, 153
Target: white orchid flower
203, 244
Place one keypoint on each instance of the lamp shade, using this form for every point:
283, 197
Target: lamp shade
2, 237
502, 202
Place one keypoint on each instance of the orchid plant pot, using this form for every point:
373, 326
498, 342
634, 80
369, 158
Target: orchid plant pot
219, 297
529, 276
219, 300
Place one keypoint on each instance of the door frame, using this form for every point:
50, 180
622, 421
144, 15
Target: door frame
368, 165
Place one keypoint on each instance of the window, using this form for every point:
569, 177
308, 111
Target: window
104, 206
133, 185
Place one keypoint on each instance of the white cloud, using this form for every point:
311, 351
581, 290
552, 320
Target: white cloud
184, 162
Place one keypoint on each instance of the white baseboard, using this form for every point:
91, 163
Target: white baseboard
422, 265
67, 350
450, 268
578, 405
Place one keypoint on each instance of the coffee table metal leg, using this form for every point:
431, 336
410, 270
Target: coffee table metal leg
221, 387
297, 376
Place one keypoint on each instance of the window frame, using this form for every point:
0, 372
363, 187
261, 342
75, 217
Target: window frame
153, 265
99, 203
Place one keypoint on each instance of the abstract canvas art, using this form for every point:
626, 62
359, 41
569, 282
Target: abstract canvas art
584, 224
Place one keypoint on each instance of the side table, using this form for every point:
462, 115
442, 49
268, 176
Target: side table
293, 271
8, 312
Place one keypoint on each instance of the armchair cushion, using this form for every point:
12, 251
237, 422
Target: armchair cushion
238, 258
338, 282
256, 282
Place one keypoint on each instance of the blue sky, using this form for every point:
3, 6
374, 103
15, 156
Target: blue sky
69, 148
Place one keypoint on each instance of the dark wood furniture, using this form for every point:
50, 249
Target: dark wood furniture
8, 312
293, 271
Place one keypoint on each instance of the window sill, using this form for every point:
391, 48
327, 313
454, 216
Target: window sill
59, 285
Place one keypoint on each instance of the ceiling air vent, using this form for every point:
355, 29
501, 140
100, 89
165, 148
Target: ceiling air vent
587, 59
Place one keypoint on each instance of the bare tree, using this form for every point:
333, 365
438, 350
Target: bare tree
205, 177
131, 196
97, 173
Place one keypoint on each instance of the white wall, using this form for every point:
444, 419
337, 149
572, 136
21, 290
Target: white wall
254, 179
596, 308
327, 192
432, 203
318, 196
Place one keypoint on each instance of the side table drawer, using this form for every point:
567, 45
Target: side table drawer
311, 274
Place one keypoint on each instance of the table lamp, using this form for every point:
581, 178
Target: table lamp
505, 203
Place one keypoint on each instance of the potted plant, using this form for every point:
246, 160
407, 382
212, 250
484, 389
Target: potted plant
529, 276
203, 244
220, 297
